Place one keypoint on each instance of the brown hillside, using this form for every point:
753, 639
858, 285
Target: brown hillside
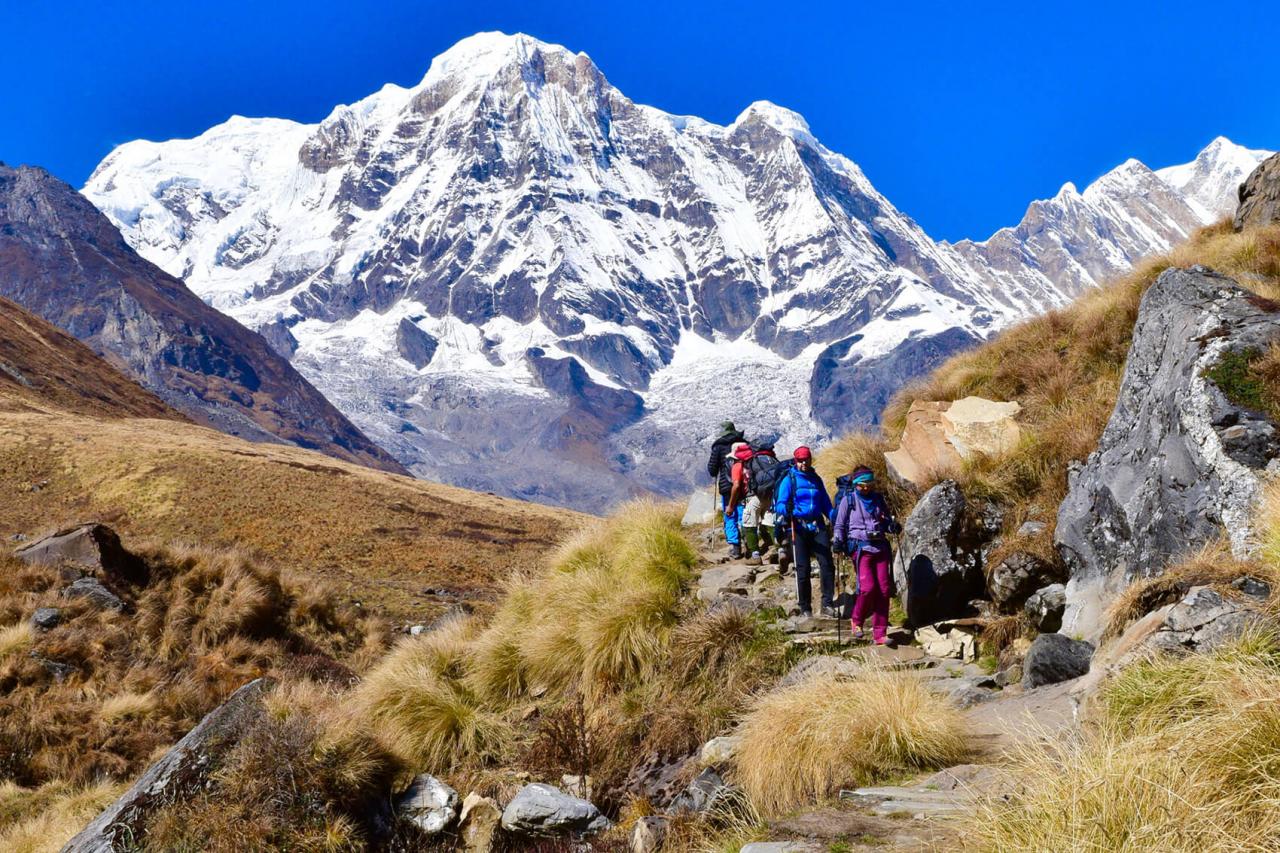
43, 368
405, 547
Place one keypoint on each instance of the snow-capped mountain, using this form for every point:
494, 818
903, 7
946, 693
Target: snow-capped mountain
514, 278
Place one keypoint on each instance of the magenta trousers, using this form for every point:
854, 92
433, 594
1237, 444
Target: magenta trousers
873, 593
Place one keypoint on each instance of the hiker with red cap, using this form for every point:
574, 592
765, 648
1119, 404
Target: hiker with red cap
862, 524
802, 505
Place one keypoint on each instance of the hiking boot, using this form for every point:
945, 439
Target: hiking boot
735, 552
773, 556
830, 613
754, 559
784, 560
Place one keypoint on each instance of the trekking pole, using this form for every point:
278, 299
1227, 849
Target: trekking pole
839, 599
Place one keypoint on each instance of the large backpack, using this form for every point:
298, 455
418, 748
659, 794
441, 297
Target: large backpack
844, 488
764, 472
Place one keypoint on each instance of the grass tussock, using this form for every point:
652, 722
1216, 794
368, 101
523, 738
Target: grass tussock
1212, 565
1186, 757
803, 743
43, 819
1065, 368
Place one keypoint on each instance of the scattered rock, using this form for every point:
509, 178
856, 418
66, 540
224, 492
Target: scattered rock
1166, 477
660, 778
703, 793
940, 569
478, 823
719, 750
939, 436
1253, 587
1053, 658
1204, 621
1011, 674
943, 641
967, 691
540, 810
782, 847
97, 594
46, 618
1260, 195
182, 771
59, 670
1045, 608
1017, 577
1032, 528
648, 835
94, 547
429, 804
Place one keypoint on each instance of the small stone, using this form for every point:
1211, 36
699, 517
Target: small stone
702, 794
1045, 608
719, 750
1009, 675
649, 833
429, 804
542, 810
46, 618
417, 630
1252, 586
478, 823
97, 594
1032, 528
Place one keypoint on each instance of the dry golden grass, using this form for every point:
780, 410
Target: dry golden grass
43, 819
375, 538
16, 639
1186, 758
801, 744
1064, 368
134, 682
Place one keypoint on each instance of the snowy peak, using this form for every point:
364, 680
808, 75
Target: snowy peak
1209, 182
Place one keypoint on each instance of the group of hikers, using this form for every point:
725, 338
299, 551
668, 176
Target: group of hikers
768, 502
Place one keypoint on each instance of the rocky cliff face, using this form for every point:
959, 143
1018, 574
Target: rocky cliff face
1179, 464
61, 259
514, 206
1260, 196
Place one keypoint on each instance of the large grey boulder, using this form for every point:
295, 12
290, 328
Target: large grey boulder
1053, 658
92, 590
1178, 463
1017, 577
428, 804
1260, 195
182, 771
940, 568
541, 810
88, 547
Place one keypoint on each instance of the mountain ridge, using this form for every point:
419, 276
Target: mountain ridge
412, 250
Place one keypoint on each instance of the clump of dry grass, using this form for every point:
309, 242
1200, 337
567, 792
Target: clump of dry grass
1186, 757
1212, 565
43, 819
802, 743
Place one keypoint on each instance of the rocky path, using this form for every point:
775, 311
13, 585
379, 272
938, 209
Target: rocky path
920, 814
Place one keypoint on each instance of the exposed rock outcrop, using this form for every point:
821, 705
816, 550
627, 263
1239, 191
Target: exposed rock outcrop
428, 804
1260, 196
1053, 658
541, 810
1178, 463
182, 771
1204, 621
1045, 607
88, 547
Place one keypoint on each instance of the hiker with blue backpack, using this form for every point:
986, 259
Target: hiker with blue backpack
752, 479
863, 523
802, 506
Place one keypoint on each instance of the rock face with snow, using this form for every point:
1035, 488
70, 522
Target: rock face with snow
519, 212
61, 259
1178, 464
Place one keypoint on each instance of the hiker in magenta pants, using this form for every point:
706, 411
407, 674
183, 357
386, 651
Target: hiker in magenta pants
863, 522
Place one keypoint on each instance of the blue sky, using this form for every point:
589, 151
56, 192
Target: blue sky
960, 113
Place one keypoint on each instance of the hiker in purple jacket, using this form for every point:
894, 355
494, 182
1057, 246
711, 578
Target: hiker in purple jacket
863, 522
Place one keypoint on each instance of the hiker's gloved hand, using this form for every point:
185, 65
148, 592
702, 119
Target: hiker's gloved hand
839, 545
894, 527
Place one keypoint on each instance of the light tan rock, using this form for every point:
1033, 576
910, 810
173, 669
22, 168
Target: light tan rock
952, 643
648, 835
940, 435
478, 823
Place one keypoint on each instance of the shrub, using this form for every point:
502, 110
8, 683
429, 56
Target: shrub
802, 743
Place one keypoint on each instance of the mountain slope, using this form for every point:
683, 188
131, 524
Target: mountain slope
43, 368
436, 258
61, 259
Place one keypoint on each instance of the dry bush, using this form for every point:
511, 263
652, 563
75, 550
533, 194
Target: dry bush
861, 448
801, 744
1186, 757
43, 819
